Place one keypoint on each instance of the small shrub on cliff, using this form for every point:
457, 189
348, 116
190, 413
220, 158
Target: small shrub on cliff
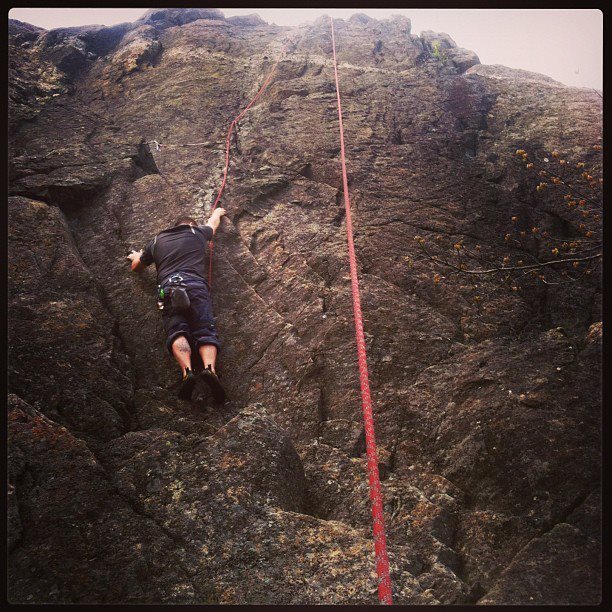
440, 55
570, 190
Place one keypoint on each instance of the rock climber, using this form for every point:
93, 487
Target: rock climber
179, 254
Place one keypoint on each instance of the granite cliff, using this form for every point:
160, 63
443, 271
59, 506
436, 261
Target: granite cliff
487, 413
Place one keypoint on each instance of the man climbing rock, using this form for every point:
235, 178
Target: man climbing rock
179, 254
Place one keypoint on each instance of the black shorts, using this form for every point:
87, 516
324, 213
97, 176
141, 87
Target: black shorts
198, 324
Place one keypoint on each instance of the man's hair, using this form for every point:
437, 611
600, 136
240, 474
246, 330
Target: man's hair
185, 221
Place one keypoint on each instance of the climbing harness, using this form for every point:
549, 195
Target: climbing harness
172, 289
174, 296
380, 542
173, 293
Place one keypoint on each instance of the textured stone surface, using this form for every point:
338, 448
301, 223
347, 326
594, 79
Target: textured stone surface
81, 541
561, 565
65, 356
487, 414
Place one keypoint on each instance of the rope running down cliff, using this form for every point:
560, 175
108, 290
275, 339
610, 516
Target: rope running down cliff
228, 145
380, 541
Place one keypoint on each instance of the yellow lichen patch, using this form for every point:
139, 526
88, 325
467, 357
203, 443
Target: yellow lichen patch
229, 461
177, 490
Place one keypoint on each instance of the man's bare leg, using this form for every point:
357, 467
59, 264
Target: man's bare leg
208, 352
182, 353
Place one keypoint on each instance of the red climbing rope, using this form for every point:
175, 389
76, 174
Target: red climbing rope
380, 541
227, 150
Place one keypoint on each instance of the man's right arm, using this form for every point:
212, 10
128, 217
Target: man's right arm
215, 219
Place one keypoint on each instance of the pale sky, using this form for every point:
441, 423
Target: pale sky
565, 44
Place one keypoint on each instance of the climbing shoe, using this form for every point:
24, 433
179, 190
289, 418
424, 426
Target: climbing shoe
187, 385
212, 380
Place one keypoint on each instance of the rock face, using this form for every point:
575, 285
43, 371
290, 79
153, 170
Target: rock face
487, 414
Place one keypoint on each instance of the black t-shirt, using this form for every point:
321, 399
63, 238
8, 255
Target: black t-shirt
179, 249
